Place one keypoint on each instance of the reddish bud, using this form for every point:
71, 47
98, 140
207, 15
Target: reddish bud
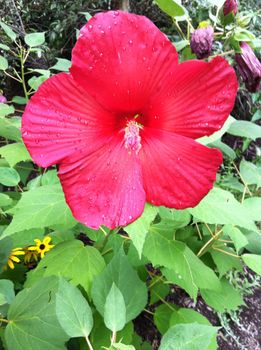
230, 6
202, 41
249, 67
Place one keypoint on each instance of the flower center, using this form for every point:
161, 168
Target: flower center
132, 139
42, 246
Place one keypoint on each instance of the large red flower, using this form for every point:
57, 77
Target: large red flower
121, 126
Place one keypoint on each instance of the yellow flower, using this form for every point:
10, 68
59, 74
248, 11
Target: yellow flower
13, 257
42, 246
30, 255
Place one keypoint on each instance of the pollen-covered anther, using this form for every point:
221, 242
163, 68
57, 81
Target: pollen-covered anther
132, 139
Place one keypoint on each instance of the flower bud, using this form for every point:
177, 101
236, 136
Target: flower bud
230, 6
249, 67
3, 99
202, 41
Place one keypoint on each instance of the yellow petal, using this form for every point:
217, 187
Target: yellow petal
33, 247
18, 253
14, 250
10, 264
47, 240
15, 259
37, 241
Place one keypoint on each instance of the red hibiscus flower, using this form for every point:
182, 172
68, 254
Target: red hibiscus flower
121, 126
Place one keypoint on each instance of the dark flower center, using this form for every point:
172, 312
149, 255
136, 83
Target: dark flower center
42, 246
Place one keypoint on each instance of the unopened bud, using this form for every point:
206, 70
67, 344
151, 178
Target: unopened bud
202, 41
230, 6
249, 67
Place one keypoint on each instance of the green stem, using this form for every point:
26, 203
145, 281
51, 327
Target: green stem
89, 343
179, 29
3, 320
22, 74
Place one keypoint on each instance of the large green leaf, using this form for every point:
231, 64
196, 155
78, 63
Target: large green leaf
120, 272
162, 317
250, 173
253, 261
10, 128
9, 176
180, 261
225, 300
138, 229
6, 109
7, 295
72, 260
5, 200
245, 129
73, 311
171, 7
5, 250
253, 205
225, 262
221, 207
115, 310
41, 207
184, 316
32, 319
191, 336
15, 153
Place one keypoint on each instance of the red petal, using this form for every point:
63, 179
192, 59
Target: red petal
197, 101
177, 171
62, 119
121, 59
104, 188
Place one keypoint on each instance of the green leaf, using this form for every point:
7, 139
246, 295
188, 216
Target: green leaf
5, 250
177, 218
4, 47
138, 229
8, 31
62, 65
253, 262
221, 207
3, 63
242, 34
5, 200
6, 109
188, 336
225, 262
9, 176
244, 128
224, 148
236, 235
30, 212
10, 128
115, 310
73, 311
171, 7
225, 300
7, 295
185, 316
250, 173
253, 205
180, 45
34, 82
101, 336
162, 317
72, 260
254, 241
120, 272
158, 291
19, 100
15, 153
24, 238
34, 39
177, 257
33, 321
